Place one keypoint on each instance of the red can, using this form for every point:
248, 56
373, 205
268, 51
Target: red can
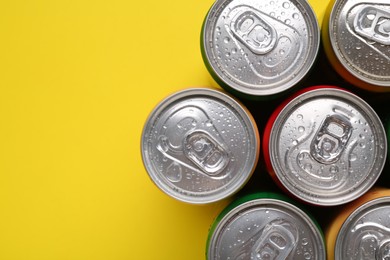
325, 146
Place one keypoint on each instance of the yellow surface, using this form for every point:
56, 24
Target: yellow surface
77, 81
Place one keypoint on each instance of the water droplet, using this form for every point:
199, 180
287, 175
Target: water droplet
308, 166
295, 142
307, 255
209, 123
227, 54
301, 129
282, 52
362, 145
300, 116
295, 15
226, 39
352, 157
305, 241
173, 172
287, 21
286, 5
234, 50
163, 143
272, 14
334, 169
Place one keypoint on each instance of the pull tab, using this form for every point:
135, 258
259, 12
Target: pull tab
367, 247
205, 152
276, 242
372, 241
331, 139
253, 31
374, 24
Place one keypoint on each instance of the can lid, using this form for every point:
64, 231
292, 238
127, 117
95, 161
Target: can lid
260, 48
266, 229
327, 146
200, 145
359, 33
365, 234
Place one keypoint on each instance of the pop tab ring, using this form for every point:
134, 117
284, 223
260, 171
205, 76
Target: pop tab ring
252, 29
373, 23
184, 144
331, 139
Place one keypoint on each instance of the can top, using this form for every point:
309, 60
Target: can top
260, 48
200, 145
359, 33
266, 229
327, 146
365, 234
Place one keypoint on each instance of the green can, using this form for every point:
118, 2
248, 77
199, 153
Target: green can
264, 226
259, 49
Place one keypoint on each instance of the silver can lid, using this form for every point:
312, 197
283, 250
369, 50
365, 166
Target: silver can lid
359, 33
260, 47
200, 145
327, 146
266, 229
366, 232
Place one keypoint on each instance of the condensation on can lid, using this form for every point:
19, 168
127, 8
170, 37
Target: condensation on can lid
327, 146
260, 48
359, 33
266, 229
365, 234
200, 145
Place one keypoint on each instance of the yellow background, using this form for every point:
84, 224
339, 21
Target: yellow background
77, 80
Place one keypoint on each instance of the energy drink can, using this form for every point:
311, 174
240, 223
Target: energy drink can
259, 48
264, 226
356, 37
325, 146
200, 145
362, 229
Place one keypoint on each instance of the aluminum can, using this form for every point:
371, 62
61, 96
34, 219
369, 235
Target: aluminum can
325, 146
356, 37
388, 136
200, 145
264, 226
361, 230
259, 48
